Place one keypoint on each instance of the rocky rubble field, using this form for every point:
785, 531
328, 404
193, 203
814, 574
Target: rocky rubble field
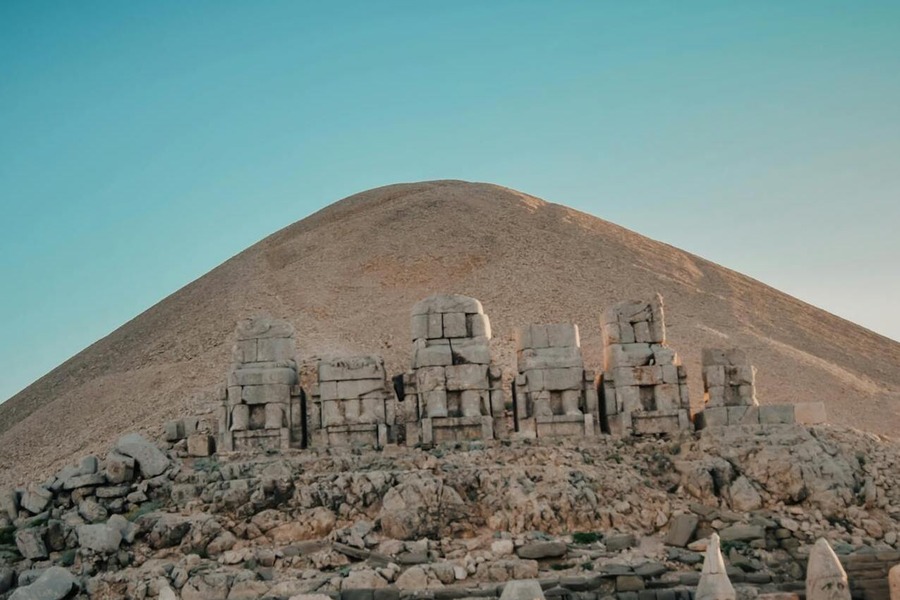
605, 517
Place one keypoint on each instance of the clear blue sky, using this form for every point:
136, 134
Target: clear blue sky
143, 143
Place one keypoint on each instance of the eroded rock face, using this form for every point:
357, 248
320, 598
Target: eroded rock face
420, 506
470, 515
788, 464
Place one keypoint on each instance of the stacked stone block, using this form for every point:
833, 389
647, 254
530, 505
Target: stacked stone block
262, 403
644, 384
729, 384
453, 391
554, 394
351, 403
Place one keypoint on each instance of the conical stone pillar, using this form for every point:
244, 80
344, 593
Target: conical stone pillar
825, 577
894, 582
714, 583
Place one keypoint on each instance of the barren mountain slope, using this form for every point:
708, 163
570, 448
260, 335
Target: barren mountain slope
347, 276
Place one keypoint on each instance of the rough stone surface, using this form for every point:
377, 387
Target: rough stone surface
539, 550
148, 457
55, 583
99, 537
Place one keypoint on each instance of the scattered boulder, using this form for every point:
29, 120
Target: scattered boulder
102, 538
150, 460
421, 506
119, 468
9, 503
7, 578
54, 583
364, 579
539, 550
36, 499
681, 530
30, 542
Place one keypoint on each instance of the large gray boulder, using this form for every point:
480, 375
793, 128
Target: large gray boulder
55, 583
151, 461
102, 538
30, 542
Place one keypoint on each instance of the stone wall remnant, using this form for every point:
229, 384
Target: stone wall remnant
553, 393
262, 408
453, 391
729, 384
352, 403
644, 384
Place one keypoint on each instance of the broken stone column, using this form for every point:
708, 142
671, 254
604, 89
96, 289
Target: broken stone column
729, 384
714, 583
553, 393
825, 577
453, 391
262, 402
644, 385
352, 403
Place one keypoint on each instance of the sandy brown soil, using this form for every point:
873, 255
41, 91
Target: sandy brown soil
347, 276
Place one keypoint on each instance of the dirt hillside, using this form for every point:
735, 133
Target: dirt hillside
347, 276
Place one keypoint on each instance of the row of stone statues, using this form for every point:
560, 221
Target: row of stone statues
453, 391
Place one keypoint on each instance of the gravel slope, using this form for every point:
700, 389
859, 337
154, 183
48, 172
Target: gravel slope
347, 276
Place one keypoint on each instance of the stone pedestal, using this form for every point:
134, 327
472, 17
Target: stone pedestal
352, 403
453, 392
644, 385
729, 385
553, 393
262, 408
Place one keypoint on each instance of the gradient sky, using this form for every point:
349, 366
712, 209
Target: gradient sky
143, 143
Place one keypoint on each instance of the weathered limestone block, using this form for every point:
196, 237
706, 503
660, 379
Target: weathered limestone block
553, 394
261, 407
645, 386
119, 468
150, 460
466, 377
36, 499
473, 350
350, 402
448, 303
451, 376
30, 542
714, 583
54, 583
825, 577
810, 413
200, 444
